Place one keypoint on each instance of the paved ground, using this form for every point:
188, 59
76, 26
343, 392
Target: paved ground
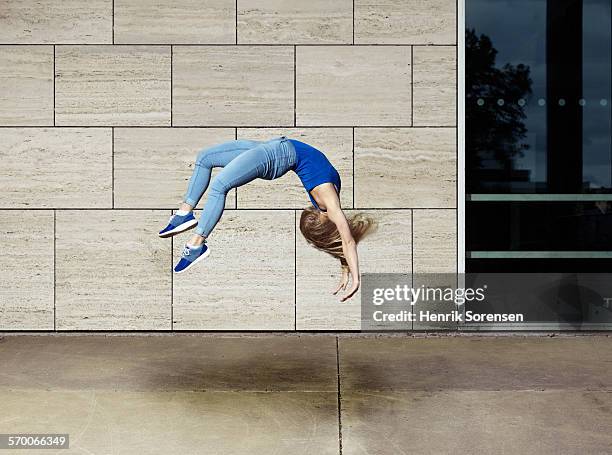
310, 394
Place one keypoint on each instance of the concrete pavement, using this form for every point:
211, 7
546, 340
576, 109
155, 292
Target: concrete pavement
310, 394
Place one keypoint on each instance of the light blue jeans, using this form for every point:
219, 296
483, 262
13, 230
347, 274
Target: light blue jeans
242, 161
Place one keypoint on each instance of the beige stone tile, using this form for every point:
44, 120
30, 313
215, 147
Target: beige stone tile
26, 288
435, 86
229, 423
247, 283
288, 191
26, 85
52, 21
153, 165
295, 22
435, 241
408, 167
180, 362
473, 363
387, 250
528, 422
112, 85
230, 85
56, 167
405, 22
351, 86
176, 21
112, 270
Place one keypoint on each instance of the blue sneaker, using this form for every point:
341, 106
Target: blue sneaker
191, 256
178, 224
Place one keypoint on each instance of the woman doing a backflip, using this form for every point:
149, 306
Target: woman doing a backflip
324, 225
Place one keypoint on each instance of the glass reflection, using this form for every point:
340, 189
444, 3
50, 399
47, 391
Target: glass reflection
537, 86
538, 135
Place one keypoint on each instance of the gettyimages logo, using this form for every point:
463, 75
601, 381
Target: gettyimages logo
406, 302
486, 301
405, 293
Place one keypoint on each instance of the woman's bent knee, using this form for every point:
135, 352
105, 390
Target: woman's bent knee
219, 186
204, 158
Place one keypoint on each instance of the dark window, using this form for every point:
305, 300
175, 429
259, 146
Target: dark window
538, 135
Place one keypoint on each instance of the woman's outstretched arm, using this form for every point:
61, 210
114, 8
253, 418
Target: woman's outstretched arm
349, 248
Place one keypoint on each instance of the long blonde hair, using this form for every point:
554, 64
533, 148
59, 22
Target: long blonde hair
323, 234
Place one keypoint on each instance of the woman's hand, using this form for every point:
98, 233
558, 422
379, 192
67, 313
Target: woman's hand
351, 291
344, 281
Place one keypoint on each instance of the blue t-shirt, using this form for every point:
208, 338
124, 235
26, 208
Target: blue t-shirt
313, 168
